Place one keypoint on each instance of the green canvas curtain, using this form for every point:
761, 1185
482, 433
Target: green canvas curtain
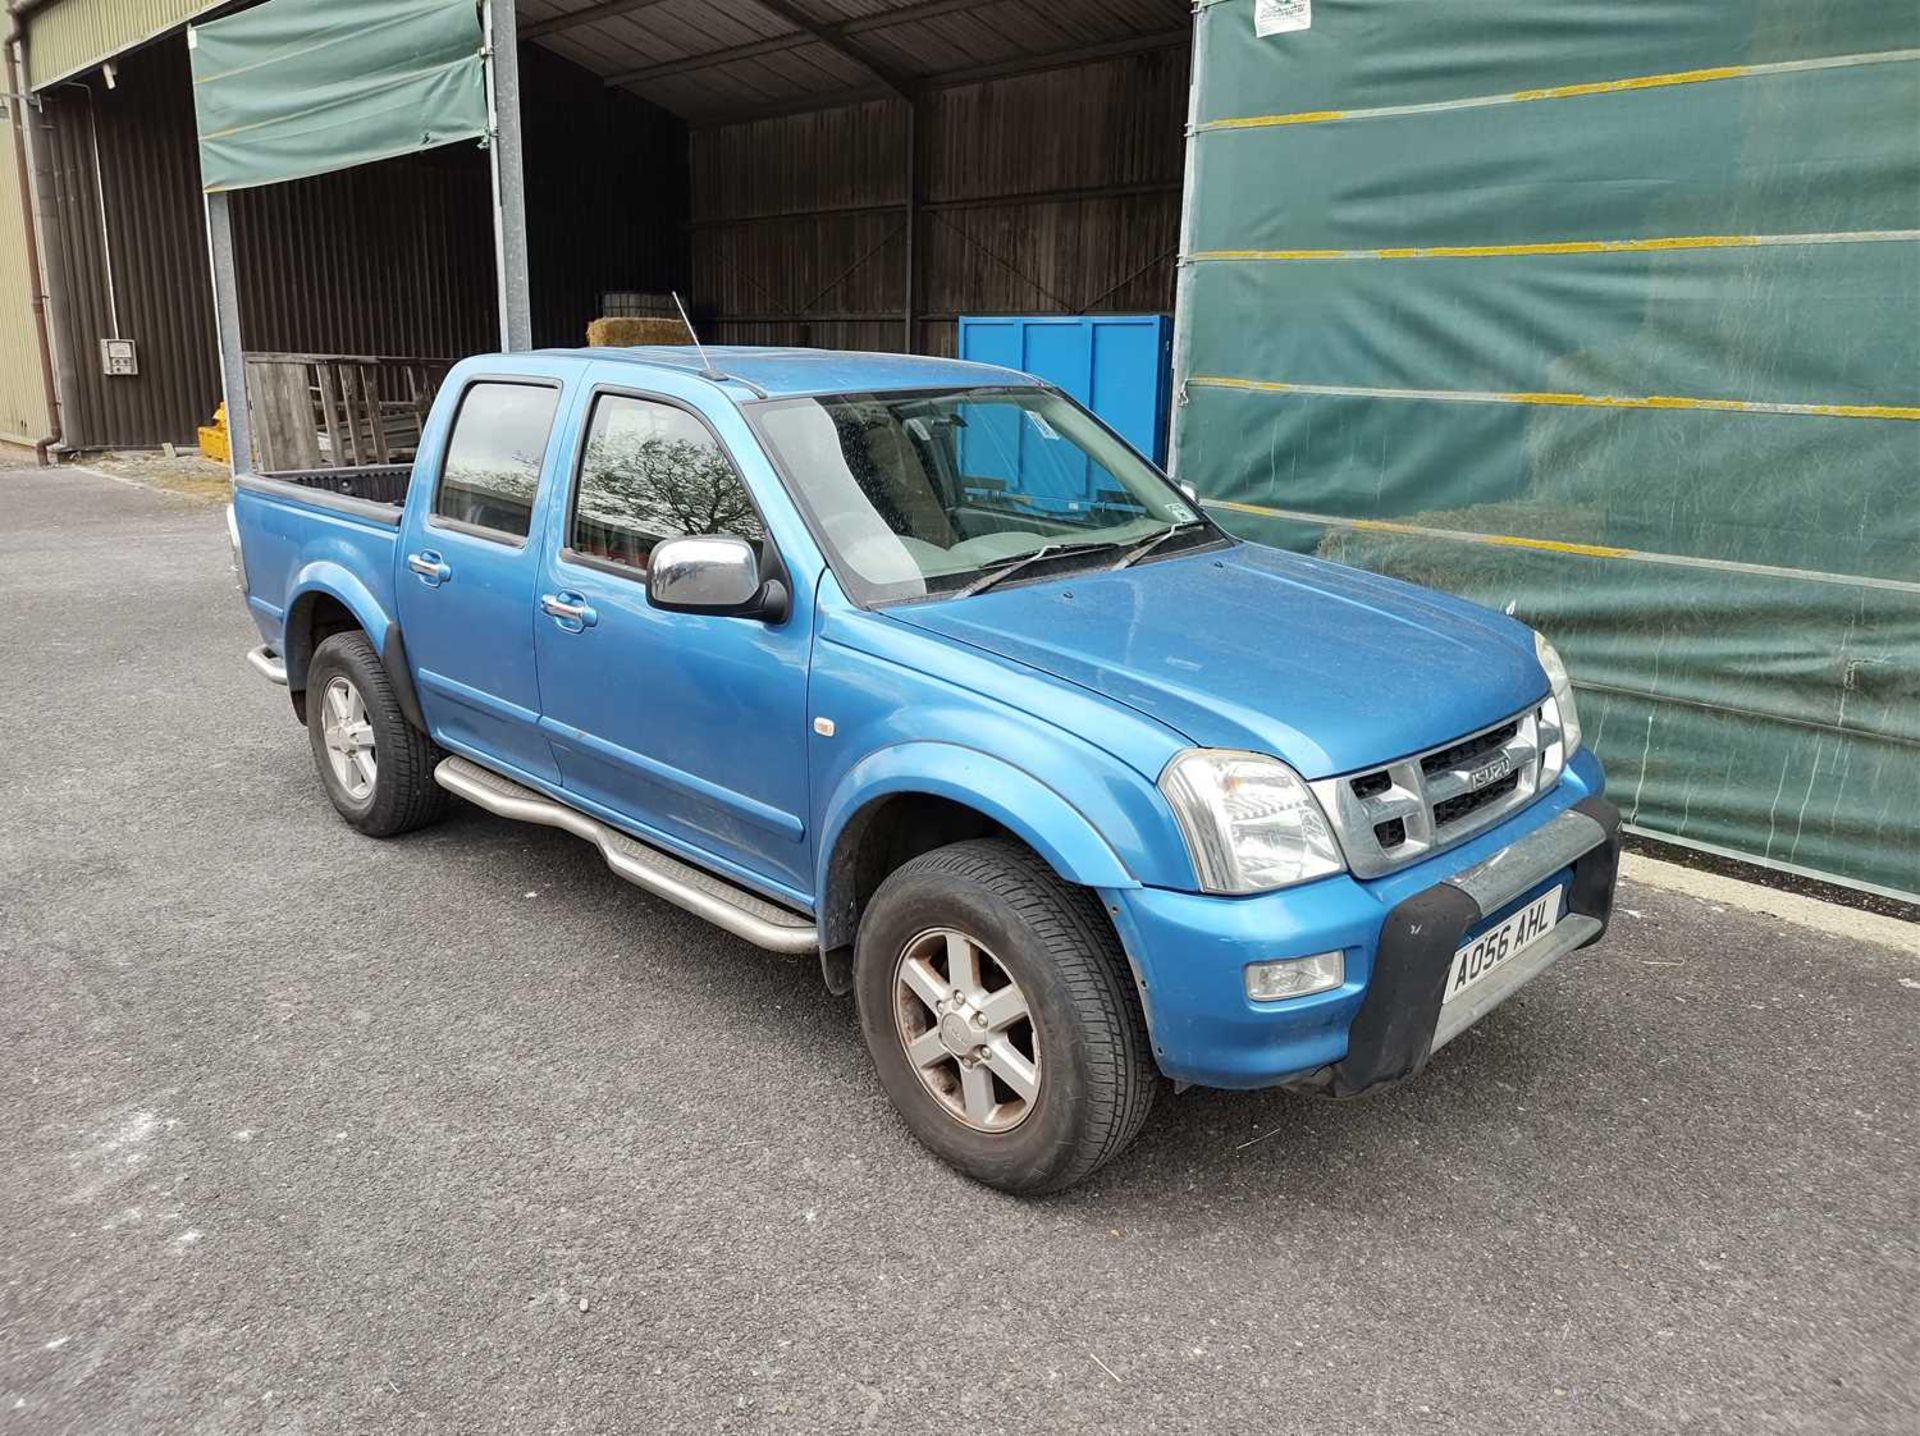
1611, 313
300, 87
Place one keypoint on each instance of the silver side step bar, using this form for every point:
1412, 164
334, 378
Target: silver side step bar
268, 664
725, 905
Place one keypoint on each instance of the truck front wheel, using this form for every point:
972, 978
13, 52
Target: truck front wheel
377, 767
1001, 1016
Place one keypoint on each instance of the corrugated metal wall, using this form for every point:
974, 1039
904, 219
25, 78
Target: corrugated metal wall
390, 258
23, 406
71, 35
397, 258
606, 177
1055, 192
127, 253
394, 258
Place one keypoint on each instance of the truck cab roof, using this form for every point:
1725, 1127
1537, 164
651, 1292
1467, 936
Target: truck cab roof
781, 373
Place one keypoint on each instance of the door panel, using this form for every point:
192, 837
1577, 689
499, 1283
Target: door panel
469, 575
689, 725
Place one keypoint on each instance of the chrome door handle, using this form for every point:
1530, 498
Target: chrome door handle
571, 609
429, 566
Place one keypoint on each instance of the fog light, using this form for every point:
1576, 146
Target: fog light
1295, 976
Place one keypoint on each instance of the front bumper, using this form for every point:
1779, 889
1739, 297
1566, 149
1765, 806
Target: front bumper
1398, 935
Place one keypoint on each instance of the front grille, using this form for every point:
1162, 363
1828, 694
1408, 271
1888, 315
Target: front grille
1454, 809
1398, 813
1466, 751
1370, 785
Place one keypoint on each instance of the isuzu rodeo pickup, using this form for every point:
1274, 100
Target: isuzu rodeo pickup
915, 665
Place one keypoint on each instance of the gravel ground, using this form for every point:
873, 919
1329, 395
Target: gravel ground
308, 1133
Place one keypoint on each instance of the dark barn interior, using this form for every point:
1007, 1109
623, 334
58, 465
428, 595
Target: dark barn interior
836, 173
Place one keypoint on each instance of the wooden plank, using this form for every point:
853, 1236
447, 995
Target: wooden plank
350, 412
265, 455
370, 402
290, 357
329, 391
277, 398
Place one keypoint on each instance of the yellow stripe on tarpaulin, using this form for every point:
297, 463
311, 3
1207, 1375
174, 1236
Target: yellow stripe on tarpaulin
1568, 92
1570, 401
1637, 82
1583, 550
1388, 526
1568, 246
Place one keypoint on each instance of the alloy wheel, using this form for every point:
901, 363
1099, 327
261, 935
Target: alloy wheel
347, 731
967, 1030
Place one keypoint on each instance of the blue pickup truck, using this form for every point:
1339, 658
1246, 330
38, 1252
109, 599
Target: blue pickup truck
914, 665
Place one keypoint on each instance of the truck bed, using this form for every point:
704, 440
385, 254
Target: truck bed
329, 528
376, 483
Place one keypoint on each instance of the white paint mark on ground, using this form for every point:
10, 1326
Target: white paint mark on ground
1830, 918
134, 1130
109, 1153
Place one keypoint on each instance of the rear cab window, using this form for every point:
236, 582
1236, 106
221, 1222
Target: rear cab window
494, 455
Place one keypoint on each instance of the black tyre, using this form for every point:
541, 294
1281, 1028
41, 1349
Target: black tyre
1002, 1016
377, 767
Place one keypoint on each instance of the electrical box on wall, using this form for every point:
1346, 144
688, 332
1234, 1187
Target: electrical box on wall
118, 356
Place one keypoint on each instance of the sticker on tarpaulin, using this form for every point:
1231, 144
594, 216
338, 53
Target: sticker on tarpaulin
1277, 17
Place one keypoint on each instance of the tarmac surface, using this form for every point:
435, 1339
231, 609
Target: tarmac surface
457, 1133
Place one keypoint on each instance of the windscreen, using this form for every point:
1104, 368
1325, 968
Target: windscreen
922, 494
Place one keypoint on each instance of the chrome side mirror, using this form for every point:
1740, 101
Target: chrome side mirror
715, 574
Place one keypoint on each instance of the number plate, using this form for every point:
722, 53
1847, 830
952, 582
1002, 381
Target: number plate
1498, 945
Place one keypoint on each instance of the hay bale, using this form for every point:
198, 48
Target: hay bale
619, 332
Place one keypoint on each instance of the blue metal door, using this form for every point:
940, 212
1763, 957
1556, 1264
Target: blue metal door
685, 728
469, 568
1118, 365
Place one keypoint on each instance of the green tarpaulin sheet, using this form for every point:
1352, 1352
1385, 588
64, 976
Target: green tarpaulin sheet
300, 87
1609, 312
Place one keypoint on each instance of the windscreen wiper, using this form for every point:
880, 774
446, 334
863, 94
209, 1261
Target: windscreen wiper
1147, 546
1007, 568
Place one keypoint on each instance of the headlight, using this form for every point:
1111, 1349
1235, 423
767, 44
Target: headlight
1250, 822
1562, 692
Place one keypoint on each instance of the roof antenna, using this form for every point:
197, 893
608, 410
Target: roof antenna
707, 371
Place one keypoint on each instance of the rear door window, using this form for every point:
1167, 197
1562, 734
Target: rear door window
494, 456
651, 472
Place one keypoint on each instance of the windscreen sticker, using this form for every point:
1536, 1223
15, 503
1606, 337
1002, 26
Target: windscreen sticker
1180, 513
1277, 17
1046, 429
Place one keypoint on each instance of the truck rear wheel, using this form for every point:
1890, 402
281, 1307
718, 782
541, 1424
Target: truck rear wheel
1001, 1016
377, 767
